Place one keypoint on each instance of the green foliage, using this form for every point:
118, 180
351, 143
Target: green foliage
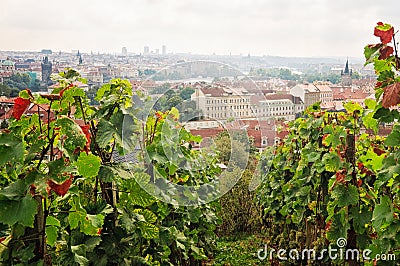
239, 212
7, 91
240, 249
18, 81
65, 201
323, 183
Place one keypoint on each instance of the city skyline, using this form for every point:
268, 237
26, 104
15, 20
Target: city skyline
305, 28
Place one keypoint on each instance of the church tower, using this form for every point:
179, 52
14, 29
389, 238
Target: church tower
346, 75
47, 68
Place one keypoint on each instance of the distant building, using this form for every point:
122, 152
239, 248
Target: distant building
46, 51
164, 50
222, 103
7, 65
47, 69
275, 105
308, 93
346, 75
124, 51
146, 50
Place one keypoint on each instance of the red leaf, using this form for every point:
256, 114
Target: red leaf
359, 183
99, 231
86, 131
32, 190
391, 95
59, 189
20, 106
340, 176
328, 226
378, 84
383, 33
385, 52
378, 151
63, 90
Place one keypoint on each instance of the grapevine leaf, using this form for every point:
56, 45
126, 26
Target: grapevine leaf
88, 165
20, 106
360, 218
60, 189
345, 196
14, 191
80, 255
75, 138
11, 149
382, 66
351, 107
393, 139
370, 122
370, 52
331, 161
105, 133
138, 194
51, 235
372, 160
384, 32
91, 224
385, 52
18, 211
149, 231
382, 212
51, 220
391, 95
370, 103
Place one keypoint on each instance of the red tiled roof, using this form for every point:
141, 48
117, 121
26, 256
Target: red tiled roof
214, 91
348, 93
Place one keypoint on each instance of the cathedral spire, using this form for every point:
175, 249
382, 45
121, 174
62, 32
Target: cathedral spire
346, 68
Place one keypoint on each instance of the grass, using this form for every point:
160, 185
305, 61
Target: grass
239, 250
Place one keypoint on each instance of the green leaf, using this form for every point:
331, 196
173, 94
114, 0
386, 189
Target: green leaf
91, 224
74, 218
106, 174
88, 165
51, 220
351, 107
149, 231
382, 65
14, 191
383, 212
149, 216
393, 139
360, 218
51, 235
18, 211
75, 136
331, 161
80, 255
345, 196
372, 161
137, 191
370, 104
105, 133
11, 149
371, 51
370, 122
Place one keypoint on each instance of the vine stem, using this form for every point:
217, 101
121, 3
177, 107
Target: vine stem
394, 44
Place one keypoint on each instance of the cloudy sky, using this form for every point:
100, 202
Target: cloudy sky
258, 27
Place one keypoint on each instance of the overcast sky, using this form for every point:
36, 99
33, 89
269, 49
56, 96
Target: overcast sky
258, 27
